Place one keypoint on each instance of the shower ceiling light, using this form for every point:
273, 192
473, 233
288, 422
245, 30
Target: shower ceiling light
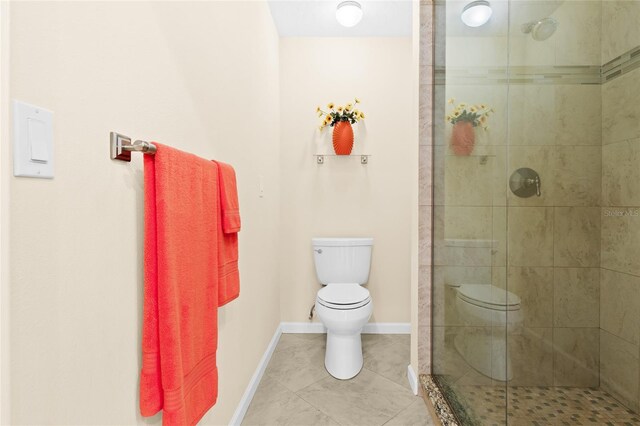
476, 13
349, 13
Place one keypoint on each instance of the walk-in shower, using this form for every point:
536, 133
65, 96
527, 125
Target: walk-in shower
536, 213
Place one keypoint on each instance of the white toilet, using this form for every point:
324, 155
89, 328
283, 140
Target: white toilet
487, 309
343, 305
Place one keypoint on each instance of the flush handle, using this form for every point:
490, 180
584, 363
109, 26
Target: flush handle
319, 251
525, 183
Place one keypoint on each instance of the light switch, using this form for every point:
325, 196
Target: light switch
32, 141
37, 134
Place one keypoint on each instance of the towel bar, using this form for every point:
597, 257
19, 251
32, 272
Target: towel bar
121, 147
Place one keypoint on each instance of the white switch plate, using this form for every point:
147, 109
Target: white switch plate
32, 141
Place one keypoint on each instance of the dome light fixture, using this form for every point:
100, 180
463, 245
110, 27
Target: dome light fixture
349, 13
476, 13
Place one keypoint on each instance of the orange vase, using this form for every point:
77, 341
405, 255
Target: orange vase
342, 138
463, 138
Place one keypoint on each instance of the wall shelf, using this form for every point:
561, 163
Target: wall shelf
320, 158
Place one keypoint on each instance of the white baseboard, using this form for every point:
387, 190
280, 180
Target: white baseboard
302, 327
413, 379
245, 401
311, 327
370, 328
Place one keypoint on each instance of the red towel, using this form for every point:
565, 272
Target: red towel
228, 198
182, 233
229, 285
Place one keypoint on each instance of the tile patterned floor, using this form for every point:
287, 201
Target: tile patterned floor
297, 390
542, 406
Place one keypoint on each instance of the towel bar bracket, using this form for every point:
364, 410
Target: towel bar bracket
121, 147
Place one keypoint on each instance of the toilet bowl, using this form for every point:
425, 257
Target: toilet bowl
487, 312
343, 305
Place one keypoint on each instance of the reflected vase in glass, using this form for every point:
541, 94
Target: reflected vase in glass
463, 138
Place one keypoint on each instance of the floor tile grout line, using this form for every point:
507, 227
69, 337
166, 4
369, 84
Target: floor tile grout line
388, 380
294, 393
372, 372
319, 409
289, 391
297, 342
405, 381
401, 411
391, 381
311, 384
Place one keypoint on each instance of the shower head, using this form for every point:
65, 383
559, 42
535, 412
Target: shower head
542, 29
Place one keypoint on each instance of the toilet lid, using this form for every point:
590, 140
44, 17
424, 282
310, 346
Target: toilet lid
489, 296
343, 294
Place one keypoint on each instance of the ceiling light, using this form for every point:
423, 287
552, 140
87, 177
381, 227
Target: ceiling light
476, 13
349, 13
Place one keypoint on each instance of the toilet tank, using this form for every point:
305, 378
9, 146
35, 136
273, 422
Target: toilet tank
342, 260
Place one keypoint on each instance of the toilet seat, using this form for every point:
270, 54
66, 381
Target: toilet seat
489, 296
343, 296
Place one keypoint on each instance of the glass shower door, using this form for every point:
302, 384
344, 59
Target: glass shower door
536, 274
554, 166
469, 351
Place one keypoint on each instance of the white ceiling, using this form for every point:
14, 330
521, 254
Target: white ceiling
317, 18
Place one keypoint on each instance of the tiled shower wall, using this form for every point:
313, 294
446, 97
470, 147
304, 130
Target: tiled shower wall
620, 245
544, 249
553, 249
573, 253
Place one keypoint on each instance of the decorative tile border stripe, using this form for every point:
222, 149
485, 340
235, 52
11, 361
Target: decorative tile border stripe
438, 401
621, 65
519, 75
588, 74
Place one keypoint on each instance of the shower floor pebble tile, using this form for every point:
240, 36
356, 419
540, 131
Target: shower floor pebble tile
544, 406
297, 390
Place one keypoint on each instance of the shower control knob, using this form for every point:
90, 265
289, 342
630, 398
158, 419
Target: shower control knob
525, 183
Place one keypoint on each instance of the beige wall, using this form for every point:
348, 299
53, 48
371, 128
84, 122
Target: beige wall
343, 197
5, 166
160, 71
620, 272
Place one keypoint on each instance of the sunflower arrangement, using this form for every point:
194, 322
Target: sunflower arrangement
474, 114
335, 114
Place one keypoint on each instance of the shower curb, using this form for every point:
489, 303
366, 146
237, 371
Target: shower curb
436, 401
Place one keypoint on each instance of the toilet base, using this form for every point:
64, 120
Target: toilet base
343, 357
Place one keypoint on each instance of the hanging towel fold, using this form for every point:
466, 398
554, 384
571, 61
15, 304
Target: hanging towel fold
182, 234
229, 225
228, 198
